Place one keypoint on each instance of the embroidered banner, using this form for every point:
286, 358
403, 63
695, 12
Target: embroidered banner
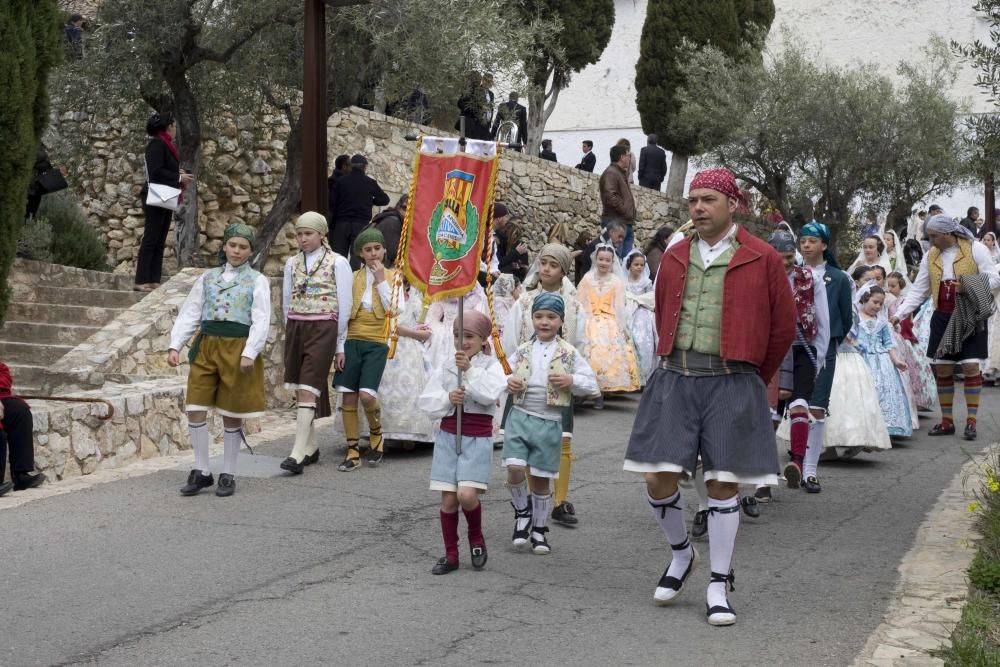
449, 215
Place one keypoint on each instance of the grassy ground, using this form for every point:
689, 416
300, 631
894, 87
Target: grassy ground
976, 639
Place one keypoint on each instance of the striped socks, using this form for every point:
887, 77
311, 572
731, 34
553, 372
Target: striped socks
946, 396
973, 385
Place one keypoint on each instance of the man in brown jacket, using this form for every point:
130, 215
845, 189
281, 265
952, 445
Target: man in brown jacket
616, 196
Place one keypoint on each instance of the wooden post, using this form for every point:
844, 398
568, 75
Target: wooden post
315, 196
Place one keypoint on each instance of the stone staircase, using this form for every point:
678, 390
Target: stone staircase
53, 309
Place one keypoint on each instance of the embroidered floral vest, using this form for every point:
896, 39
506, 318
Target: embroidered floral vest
229, 301
965, 264
562, 361
314, 292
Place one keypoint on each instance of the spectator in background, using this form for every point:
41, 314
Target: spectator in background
472, 107
73, 37
973, 222
652, 164
489, 99
163, 167
390, 223
351, 200
341, 166
589, 160
511, 115
631, 166
616, 195
546, 152
15, 434
655, 247
511, 249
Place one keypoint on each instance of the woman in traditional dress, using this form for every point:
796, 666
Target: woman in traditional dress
872, 254
919, 374
610, 350
992, 365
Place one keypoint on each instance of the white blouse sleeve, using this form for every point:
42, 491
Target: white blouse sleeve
260, 318
981, 254
189, 316
286, 287
918, 292
433, 400
485, 383
345, 298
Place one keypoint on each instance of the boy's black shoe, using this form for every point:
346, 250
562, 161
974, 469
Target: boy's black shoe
196, 482
565, 514
444, 567
227, 485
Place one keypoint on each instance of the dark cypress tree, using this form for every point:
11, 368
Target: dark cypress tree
725, 24
29, 32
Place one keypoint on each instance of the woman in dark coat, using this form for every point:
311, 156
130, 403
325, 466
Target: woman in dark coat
163, 167
655, 248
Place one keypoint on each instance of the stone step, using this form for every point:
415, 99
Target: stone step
61, 313
87, 297
63, 334
28, 378
31, 353
42, 273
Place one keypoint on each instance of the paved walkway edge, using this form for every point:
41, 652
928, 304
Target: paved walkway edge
277, 424
933, 586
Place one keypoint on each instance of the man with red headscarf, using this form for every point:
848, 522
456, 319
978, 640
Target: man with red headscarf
725, 319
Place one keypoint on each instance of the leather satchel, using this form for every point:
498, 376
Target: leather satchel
163, 196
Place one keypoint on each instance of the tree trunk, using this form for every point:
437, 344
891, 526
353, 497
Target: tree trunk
898, 217
536, 121
678, 175
287, 202
189, 145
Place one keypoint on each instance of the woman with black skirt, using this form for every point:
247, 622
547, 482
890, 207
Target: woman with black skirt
163, 168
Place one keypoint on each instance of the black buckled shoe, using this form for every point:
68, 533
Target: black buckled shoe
811, 484
970, 431
196, 482
540, 545
700, 524
25, 480
749, 505
478, 553
565, 514
293, 466
311, 459
444, 567
668, 588
227, 485
763, 494
5, 488
520, 537
941, 429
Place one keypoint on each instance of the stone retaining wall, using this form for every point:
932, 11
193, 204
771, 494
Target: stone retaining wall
244, 159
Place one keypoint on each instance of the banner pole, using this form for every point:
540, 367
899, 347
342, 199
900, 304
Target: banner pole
460, 321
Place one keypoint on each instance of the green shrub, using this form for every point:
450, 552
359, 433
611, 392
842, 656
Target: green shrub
74, 241
984, 573
35, 240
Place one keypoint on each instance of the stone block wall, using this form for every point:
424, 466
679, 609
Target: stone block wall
243, 163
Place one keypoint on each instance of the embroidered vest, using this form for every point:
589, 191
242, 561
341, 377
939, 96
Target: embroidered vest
569, 322
314, 292
965, 264
699, 327
562, 361
367, 324
229, 301
805, 301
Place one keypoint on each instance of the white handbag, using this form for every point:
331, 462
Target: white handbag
161, 196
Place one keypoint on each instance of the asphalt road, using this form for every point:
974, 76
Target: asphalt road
333, 568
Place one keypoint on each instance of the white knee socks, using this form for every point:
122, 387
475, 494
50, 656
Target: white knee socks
540, 508
199, 443
817, 435
231, 441
669, 513
304, 417
519, 498
698, 481
723, 524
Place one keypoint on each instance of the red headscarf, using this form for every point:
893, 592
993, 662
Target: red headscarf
720, 180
